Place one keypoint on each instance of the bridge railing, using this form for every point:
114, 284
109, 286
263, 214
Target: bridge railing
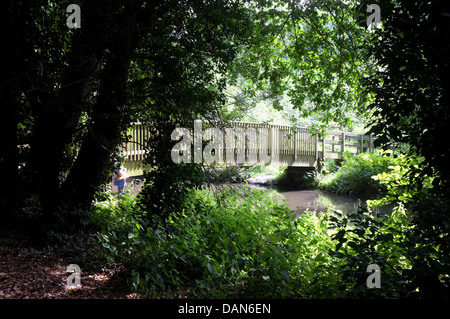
336, 143
135, 148
287, 145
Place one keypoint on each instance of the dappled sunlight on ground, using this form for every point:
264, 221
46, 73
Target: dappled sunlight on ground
26, 273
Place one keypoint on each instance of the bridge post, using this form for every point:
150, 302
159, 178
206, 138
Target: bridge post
295, 144
323, 147
316, 148
361, 141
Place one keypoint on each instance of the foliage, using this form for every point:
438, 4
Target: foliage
238, 243
354, 177
229, 174
429, 246
75, 91
413, 260
69, 95
166, 183
398, 181
241, 174
427, 239
365, 238
411, 94
314, 53
411, 100
241, 243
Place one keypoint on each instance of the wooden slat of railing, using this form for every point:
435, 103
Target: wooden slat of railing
136, 139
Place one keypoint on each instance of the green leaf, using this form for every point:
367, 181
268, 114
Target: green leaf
285, 275
159, 280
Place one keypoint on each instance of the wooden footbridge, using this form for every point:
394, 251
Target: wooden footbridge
294, 147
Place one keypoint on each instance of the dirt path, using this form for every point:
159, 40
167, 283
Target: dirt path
27, 273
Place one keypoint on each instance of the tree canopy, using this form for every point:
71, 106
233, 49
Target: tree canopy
315, 53
69, 94
411, 87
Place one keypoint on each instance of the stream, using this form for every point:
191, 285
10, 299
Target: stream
302, 200
313, 200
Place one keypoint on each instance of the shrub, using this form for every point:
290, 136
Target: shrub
364, 239
411, 245
411, 187
228, 174
242, 242
354, 177
237, 243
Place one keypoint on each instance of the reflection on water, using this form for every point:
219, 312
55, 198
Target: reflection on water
319, 201
315, 200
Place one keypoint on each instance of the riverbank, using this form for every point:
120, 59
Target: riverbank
313, 199
299, 200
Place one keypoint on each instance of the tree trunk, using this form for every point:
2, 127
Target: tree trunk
8, 152
16, 36
94, 162
58, 113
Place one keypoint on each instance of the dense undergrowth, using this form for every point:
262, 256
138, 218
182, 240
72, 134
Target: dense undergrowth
241, 242
411, 244
237, 243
